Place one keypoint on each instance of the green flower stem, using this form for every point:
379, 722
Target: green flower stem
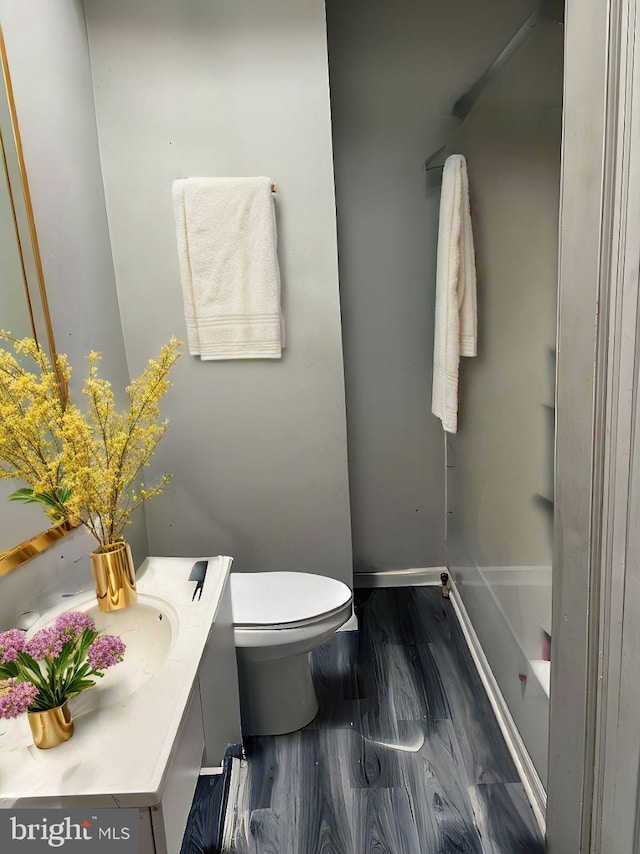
8, 670
70, 685
86, 639
29, 671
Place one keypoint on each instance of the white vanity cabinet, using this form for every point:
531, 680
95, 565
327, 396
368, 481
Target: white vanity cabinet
212, 722
143, 748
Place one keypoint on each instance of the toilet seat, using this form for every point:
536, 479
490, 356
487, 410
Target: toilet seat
285, 600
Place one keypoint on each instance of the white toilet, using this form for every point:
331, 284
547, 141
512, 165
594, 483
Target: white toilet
278, 618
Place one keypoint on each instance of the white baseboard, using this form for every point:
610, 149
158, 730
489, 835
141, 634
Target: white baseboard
422, 576
525, 767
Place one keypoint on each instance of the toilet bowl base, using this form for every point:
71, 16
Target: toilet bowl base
277, 696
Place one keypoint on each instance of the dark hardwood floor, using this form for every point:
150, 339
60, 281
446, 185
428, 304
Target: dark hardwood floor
203, 833
405, 755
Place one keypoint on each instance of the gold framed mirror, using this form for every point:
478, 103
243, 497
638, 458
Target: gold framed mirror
24, 310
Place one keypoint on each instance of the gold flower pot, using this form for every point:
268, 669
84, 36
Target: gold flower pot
115, 578
51, 727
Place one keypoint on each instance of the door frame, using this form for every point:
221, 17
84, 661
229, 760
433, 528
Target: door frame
594, 757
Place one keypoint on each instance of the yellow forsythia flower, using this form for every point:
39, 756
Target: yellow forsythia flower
92, 458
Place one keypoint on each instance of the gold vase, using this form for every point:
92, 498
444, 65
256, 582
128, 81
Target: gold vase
115, 578
51, 727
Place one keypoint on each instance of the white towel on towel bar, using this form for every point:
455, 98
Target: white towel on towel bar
227, 250
456, 307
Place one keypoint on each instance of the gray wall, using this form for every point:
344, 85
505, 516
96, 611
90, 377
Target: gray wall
48, 57
500, 473
257, 448
396, 70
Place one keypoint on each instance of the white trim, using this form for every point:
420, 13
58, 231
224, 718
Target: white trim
419, 577
615, 825
525, 767
587, 236
211, 771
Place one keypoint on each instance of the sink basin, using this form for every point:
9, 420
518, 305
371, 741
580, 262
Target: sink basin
127, 727
148, 630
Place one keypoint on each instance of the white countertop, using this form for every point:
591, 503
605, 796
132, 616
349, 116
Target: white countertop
119, 752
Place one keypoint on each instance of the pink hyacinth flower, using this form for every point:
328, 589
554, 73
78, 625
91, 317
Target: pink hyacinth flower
72, 624
17, 699
47, 643
105, 651
11, 643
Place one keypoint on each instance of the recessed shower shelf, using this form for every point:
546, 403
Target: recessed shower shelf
542, 672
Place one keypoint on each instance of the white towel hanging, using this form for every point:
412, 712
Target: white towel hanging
456, 305
227, 249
